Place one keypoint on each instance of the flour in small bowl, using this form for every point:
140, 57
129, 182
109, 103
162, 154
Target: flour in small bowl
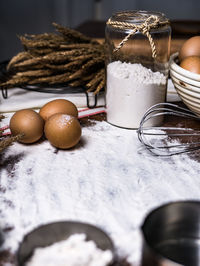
131, 90
75, 251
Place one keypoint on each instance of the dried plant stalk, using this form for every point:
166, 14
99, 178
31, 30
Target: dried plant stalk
56, 79
54, 42
18, 58
100, 86
1, 117
34, 73
41, 51
75, 83
27, 63
7, 141
15, 81
68, 66
95, 80
91, 63
43, 36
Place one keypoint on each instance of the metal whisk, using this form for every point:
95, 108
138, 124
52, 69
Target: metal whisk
164, 140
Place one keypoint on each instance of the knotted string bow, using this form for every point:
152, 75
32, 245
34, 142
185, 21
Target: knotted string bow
150, 23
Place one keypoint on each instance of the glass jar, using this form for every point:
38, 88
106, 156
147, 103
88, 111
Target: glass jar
137, 56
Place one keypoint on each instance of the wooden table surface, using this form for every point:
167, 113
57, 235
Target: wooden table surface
177, 41
7, 257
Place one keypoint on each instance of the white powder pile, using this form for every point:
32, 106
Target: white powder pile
131, 90
75, 251
139, 73
109, 180
65, 120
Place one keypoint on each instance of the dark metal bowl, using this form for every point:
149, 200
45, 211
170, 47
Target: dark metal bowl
171, 235
48, 234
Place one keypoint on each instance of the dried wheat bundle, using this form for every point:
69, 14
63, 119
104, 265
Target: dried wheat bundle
66, 57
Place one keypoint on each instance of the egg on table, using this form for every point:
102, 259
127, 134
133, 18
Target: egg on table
191, 47
62, 130
29, 123
191, 63
58, 106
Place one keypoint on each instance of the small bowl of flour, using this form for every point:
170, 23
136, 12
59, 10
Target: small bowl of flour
66, 244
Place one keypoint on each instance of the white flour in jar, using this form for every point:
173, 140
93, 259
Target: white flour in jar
131, 90
75, 251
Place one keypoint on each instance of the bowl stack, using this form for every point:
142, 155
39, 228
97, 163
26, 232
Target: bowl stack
187, 84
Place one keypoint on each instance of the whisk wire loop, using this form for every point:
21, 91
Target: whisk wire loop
163, 140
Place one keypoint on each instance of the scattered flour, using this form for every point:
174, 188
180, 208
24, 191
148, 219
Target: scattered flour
75, 251
109, 180
65, 120
131, 90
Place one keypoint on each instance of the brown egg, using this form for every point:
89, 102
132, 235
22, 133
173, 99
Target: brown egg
191, 47
63, 131
191, 63
29, 123
58, 106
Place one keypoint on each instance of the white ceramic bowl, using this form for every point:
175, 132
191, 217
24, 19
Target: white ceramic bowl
186, 83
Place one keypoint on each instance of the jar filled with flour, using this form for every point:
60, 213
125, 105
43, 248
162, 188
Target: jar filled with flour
138, 48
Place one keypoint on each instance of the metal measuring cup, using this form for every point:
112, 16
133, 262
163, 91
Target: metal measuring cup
171, 235
48, 234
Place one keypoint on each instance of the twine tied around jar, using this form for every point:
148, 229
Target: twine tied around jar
151, 22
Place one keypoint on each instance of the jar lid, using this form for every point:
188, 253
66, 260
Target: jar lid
138, 16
